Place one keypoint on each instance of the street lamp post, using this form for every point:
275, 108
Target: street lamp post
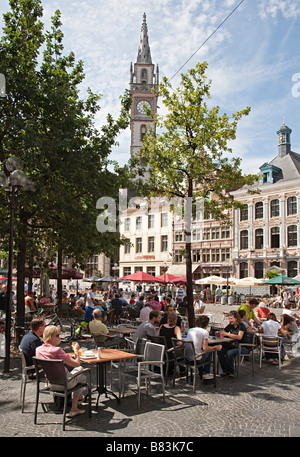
14, 180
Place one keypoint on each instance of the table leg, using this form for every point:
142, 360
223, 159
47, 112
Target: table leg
101, 382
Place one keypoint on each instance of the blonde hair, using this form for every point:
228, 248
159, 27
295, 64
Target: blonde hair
50, 332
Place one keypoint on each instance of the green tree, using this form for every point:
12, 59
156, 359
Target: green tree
191, 157
45, 122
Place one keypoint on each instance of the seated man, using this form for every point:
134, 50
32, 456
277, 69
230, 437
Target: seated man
30, 307
199, 335
145, 312
116, 309
249, 308
99, 330
32, 340
169, 310
148, 328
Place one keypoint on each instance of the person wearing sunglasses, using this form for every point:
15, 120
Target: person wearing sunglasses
51, 350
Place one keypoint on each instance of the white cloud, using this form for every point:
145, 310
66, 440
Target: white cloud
289, 9
251, 58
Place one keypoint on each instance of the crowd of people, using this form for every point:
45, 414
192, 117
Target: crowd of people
160, 317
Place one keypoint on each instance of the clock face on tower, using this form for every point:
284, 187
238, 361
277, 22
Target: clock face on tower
140, 106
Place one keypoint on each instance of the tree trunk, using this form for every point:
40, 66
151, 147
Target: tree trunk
188, 255
21, 262
59, 277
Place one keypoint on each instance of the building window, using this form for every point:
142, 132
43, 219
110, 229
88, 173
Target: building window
178, 257
244, 214
243, 270
151, 271
138, 245
151, 221
225, 254
259, 239
244, 239
225, 232
127, 224
164, 219
144, 75
205, 255
292, 268
196, 235
259, 270
143, 132
292, 235
164, 243
138, 269
196, 255
259, 210
179, 236
151, 244
275, 208
215, 233
275, 237
138, 223
291, 206
127, 271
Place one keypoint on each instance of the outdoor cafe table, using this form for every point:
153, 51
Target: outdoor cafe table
107, 356
212, 341
123, 330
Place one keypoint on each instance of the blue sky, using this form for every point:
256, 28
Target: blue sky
253, 58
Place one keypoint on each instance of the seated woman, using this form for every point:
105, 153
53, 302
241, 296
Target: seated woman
237, 331
272, 328
170, 329
51, 350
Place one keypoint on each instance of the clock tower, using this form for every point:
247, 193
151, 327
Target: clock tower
143, 82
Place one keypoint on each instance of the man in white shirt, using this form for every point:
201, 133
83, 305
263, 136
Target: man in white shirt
199, 335
89, 308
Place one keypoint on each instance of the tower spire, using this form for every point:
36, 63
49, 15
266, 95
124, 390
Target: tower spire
144, 53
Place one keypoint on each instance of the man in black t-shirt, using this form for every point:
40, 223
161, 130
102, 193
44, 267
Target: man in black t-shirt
169, 310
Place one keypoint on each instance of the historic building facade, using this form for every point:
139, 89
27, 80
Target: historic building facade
265, 233
267, 230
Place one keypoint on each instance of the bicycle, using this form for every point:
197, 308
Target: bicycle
67, 326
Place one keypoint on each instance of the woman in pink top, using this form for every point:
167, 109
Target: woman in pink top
51, 350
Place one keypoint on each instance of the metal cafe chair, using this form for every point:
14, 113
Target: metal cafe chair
271, 345
184, 355
144, 370
55, 373
25, 378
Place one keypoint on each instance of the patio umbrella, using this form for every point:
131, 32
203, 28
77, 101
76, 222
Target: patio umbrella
249, 281
107, 279
212, 280
181, 280
140, 276
167, 277
280, 279
3, 279
92, 279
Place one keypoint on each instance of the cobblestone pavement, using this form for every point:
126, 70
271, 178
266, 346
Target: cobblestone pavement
262, 406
